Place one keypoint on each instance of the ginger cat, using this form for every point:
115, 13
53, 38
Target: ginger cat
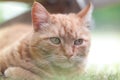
58, 44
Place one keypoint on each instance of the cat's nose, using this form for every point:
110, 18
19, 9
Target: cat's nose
69, 55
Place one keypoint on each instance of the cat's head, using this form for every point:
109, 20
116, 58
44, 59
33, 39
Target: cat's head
62, 39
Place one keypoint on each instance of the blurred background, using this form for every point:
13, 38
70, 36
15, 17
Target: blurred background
105, 48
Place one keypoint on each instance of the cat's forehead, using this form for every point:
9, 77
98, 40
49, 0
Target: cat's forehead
67, 20
68, 25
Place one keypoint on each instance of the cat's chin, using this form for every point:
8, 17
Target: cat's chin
65, 65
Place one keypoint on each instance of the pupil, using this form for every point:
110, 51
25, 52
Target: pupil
78, 42
57, 40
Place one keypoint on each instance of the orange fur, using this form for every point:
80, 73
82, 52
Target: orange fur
31, 54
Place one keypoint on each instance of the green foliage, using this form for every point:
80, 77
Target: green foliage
108, 17
1, 15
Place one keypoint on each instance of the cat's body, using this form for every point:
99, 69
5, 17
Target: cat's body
13, 33
58, 45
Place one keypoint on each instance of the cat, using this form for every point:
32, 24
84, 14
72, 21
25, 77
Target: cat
56, 44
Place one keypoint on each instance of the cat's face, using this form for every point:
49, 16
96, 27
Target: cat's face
62, 40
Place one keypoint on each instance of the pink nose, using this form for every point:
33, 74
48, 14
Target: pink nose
69, 55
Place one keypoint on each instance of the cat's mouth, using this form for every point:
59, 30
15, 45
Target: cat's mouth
65, 63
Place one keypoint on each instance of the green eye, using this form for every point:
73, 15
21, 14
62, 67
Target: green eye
78, 42
55, 40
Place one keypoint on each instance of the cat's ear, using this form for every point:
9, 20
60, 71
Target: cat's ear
39, 15
86, 13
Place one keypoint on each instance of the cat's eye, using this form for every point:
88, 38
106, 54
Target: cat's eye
78, 42
55, 40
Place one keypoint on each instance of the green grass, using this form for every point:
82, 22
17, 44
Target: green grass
108, 72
